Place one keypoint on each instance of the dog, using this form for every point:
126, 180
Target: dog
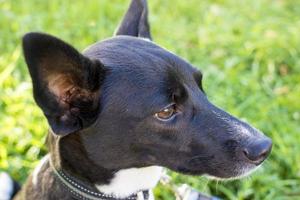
123, 110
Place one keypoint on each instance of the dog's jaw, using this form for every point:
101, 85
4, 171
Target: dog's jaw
129, 181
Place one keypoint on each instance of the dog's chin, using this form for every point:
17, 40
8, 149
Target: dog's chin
235, 172
241, 173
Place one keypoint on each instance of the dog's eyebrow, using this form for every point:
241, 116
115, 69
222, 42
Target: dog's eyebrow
198, 78
175, 86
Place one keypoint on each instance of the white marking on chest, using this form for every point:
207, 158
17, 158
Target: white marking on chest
38, 169
129, 181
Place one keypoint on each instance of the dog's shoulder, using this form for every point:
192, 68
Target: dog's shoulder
38, 183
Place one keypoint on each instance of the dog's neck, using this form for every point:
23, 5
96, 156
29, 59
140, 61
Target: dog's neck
69, 155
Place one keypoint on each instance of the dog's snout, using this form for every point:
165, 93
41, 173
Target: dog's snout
258, 151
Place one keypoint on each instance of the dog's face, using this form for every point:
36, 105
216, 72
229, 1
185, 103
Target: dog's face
134, 104
155, 112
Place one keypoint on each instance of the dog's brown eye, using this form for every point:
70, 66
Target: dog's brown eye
166, 113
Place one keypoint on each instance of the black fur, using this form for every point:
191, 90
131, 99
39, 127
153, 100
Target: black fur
135, 22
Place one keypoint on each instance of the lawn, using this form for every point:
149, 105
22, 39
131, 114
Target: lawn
249, 52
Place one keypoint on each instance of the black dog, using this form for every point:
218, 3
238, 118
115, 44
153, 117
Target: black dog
122, 110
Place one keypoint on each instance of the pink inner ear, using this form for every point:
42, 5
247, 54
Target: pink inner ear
70, 96
61, 72
59, 84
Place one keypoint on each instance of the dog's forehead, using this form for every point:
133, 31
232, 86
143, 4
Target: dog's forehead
131, 55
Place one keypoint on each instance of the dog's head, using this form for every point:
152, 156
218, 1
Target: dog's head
135, 104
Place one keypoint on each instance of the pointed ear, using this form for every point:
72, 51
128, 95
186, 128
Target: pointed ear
135, 22
66, 84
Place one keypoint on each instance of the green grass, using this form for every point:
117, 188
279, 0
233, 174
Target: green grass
248, 50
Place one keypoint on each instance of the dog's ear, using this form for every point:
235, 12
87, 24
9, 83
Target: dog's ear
66, 84
135, 22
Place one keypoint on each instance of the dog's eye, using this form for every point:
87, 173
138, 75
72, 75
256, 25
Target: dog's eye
167, 113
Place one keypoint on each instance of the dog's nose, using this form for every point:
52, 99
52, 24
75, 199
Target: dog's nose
258, 151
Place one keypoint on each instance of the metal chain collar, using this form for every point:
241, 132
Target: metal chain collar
80, 192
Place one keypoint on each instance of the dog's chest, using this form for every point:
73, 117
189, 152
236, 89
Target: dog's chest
125, 182
129, 181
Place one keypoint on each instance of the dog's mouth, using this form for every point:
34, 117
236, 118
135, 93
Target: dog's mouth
215, 168
229, 161
241, 172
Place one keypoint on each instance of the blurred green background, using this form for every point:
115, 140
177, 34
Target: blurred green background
248, 50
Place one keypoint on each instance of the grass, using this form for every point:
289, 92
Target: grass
248, 50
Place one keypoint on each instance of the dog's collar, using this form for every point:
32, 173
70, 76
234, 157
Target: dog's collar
80, 192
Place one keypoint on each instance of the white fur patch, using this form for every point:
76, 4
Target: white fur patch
129, 181
38, 169
6, 186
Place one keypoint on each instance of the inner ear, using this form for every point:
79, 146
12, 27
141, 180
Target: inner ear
71, 97
66, 84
